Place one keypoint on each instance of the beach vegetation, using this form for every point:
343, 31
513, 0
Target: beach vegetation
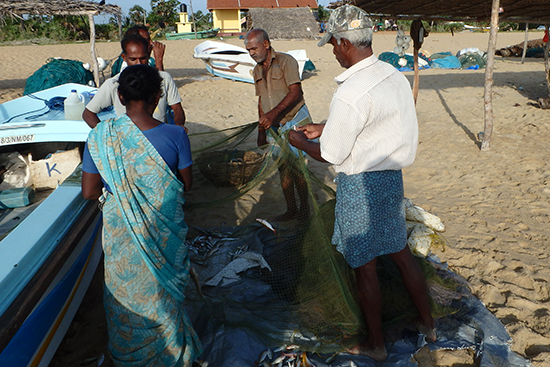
53, 29
137, 15
163, 12
323, 14
203, 21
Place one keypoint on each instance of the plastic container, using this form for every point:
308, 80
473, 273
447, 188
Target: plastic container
87, 96
74, 106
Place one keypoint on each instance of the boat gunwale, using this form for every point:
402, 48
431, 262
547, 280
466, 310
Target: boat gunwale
23, 305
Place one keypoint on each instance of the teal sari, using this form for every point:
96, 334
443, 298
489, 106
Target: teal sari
146, 260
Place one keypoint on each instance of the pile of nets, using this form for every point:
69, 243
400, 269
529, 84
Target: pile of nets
282, 283
57, 72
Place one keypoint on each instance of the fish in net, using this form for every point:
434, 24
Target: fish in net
283, 282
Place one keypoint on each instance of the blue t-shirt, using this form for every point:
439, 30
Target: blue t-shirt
170, 141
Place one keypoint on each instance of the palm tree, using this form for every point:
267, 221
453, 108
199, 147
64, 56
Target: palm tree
138, 15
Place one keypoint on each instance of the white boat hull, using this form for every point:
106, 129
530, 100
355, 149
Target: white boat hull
233, 62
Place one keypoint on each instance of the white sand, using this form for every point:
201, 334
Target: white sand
495, 204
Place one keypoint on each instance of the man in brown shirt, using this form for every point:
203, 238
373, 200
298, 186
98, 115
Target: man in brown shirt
281, 106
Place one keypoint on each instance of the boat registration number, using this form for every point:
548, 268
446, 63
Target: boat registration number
26, 138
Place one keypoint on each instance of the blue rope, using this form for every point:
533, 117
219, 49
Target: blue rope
52, 104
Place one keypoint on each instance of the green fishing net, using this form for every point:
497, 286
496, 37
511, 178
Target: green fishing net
57, 72
286, 284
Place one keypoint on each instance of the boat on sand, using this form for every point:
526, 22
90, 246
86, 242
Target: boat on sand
50, 236
211, 33
233, 62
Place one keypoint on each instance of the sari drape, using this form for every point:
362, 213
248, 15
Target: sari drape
146, 259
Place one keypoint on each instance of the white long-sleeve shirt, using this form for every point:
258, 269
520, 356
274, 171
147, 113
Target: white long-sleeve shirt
372, 123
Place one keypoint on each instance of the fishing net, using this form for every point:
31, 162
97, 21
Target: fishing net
57, 72
281, 281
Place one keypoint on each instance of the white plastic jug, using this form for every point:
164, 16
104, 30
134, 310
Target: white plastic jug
74, 106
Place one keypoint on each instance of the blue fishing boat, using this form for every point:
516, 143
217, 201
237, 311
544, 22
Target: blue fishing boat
50, 242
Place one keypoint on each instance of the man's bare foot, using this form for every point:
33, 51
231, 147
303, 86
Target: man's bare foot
429, 332
378, 354
286, 216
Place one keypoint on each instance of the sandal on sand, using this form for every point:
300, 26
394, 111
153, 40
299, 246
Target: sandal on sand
378, 354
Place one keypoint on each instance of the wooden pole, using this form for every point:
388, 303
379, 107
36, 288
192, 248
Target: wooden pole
417, 34
547, 62
119, 19
525, 42
488, 97
193, 17
416, 75
92, 49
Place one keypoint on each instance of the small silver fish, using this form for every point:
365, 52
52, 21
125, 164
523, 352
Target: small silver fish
266, 224
278, 360
263, 356
279, 349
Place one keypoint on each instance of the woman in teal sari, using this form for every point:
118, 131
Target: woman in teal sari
139, 168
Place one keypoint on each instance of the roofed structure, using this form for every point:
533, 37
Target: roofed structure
248, 4
299, 23
531, 11
18, 8
226, 14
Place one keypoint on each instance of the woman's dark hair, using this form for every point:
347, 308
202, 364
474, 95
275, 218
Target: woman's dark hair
139, 83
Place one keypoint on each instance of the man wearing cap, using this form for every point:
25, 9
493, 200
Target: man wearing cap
281, 106
370, 135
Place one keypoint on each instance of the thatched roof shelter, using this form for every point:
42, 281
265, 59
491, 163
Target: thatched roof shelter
293, 23
470, 10
19, 8
16, 8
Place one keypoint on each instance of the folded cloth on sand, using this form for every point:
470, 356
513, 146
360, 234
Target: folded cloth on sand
370, 216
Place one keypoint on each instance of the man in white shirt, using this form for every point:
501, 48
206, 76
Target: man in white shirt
135, 50
370, 135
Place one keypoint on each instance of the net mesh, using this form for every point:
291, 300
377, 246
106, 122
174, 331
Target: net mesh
281, 280
57, 72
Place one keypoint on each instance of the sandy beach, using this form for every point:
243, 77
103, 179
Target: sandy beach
495, 204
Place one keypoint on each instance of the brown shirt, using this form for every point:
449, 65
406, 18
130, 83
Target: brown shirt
273, 87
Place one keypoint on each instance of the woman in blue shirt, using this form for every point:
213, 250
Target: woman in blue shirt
145, 166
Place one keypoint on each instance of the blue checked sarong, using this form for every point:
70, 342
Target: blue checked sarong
370, 216
146, 260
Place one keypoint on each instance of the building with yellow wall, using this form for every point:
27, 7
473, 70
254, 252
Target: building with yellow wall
226, 14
